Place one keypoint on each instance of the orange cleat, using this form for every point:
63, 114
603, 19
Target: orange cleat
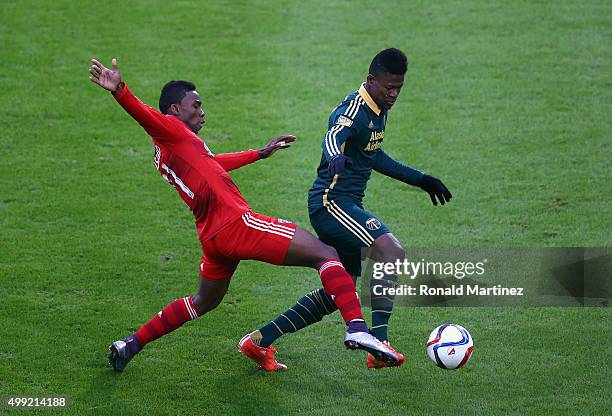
374, 363
261, 355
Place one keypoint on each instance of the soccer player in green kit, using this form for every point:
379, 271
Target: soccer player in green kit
351, 149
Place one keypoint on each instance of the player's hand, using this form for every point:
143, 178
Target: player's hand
109, 79
337, 164
281, 142
435, 188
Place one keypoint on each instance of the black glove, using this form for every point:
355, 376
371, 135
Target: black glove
337, 164
435, 188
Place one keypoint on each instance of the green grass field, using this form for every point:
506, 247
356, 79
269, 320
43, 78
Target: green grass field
508, 102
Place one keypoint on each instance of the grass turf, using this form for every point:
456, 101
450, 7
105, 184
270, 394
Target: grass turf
509, 103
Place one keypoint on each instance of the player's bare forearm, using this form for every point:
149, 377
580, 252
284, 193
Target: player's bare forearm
281, 142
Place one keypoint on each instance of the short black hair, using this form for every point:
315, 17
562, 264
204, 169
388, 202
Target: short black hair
389, 61
172, 93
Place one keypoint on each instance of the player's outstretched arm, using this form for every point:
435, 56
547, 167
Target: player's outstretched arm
388, 166
385, 164
149, 118
232, 161
109, 79
281, 142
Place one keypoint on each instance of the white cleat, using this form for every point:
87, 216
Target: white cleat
366, 341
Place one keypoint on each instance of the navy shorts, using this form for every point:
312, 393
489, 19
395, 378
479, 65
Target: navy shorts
348, 228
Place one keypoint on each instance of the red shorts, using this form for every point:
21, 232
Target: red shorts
251, 237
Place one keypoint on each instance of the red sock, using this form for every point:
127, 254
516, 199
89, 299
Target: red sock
167, 320
339, 284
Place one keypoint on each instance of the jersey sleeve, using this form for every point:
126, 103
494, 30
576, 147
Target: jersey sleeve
231, 161
341, 128
155, 123
385, 164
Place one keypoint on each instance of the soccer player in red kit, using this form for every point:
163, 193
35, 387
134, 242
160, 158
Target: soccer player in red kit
228, 230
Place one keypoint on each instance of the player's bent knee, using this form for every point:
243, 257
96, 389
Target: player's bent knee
327, 252
308, 251
388, 249
210, 294
399, 253
205, 304
394, 253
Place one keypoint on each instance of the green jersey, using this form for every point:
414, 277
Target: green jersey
356, 128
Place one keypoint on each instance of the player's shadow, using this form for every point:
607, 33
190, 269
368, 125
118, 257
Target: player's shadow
102, 391
248, 389
219, 380
316, 360
234, 385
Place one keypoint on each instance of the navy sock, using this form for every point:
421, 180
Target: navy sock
381, 308
307, 311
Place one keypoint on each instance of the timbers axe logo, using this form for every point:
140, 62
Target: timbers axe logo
373, 224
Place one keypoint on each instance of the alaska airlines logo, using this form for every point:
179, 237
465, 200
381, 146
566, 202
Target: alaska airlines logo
376, 139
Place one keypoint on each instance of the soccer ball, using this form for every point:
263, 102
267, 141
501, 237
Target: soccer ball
450, 346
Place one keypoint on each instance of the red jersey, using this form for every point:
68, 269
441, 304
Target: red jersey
185, 161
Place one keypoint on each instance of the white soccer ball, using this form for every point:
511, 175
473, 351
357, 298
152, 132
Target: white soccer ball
450, 346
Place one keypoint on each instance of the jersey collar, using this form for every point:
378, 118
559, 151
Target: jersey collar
369, 101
